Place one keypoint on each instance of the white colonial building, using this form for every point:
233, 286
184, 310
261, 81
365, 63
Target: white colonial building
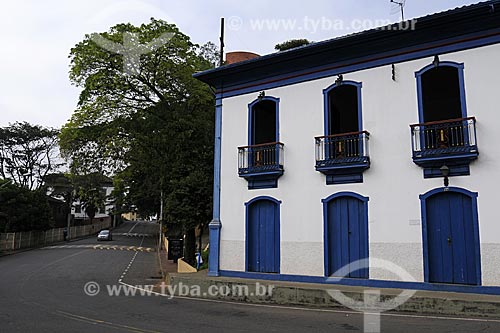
103, 212
377, 145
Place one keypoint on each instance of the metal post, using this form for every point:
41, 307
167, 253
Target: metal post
70, 205
221, 60
161, 220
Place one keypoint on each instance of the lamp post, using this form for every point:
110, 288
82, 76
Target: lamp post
68, 217
445, 171
161, 221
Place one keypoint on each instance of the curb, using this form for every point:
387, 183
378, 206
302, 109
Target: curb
317, 296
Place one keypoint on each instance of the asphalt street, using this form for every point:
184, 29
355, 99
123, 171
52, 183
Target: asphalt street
43, 291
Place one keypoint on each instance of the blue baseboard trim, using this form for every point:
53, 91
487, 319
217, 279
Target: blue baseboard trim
383, 284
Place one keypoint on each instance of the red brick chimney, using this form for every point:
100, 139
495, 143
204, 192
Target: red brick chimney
239, 56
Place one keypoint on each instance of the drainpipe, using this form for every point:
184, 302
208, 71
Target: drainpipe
215, 225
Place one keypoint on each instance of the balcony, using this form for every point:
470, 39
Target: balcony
261, 165
343, 157
449, 142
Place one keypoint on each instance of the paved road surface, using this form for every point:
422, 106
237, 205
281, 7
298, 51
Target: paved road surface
43, 291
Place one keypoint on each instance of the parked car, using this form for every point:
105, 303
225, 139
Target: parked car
104, 235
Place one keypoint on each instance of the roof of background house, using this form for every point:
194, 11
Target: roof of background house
459, 25
55, 200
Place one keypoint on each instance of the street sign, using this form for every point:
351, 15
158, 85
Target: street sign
175, 249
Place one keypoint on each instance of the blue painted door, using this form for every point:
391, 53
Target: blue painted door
347, 236
263, 237
450, 238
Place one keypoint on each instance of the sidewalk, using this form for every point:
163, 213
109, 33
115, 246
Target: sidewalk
167, 266
317, 295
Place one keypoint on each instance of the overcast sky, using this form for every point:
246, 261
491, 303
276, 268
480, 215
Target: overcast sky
38, 35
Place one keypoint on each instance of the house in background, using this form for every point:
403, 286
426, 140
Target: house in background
130, 216
103, 213
364, 147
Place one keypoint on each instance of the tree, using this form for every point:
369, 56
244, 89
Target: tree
59, 185
89, 191
94, 138
28, 154
291, 44
22, 209
152, 127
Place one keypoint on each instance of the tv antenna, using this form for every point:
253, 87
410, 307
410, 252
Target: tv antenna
401, 5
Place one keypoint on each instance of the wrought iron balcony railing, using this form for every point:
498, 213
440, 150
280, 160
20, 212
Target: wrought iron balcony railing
444, 139
263, 158
342, 150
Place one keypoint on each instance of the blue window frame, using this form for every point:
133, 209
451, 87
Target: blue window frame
420, 75
328, 110
445, 134
252, 120
261, 162
342, 153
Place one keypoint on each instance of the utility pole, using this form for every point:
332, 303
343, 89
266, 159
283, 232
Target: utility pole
70, 205
161, 222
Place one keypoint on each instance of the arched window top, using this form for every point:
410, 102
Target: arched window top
263, 198
345, 194
262, 99
441, 64
263, 120
448, 189
343, 108
358, 85
441, 92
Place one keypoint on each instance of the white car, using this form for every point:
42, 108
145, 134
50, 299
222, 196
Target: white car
104, 235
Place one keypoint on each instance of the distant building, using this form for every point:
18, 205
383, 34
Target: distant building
130, 216
342, 150
103, 212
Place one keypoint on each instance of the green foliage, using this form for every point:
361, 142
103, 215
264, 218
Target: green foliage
151, 127
204, 257
88, 189
97, 137
291, 44
23, 210
58, 184
28, 154
188, 141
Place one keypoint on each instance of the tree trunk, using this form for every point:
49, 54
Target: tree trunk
190, 247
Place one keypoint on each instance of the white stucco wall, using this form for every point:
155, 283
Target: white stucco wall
107, 208
393, 183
